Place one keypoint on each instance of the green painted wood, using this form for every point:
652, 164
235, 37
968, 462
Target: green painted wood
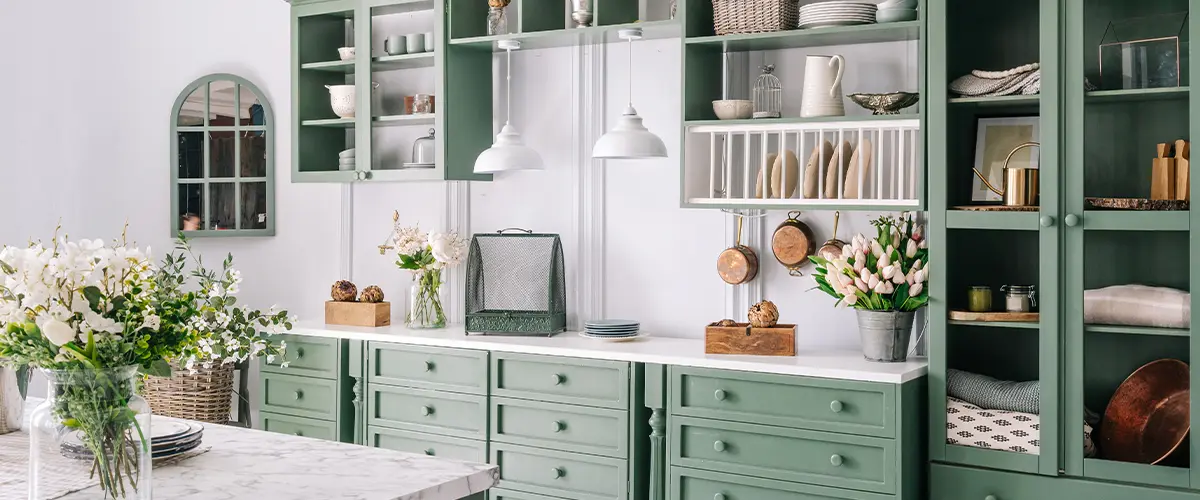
808, 403
1194, 242
503, 494
318, 29
300, 396
1097, 220
307, 356
393, 7
560, 474
435, 412
1174, 477
614, 12
703, 84
579, 429
437, 368
1012, 257
466, 82
798, 120
967, 219
961, 483
330, 122
793, 39
403, 61
427, 444
657, 400
995, 324
296, 426
330, 66
587, 382
541, 16
825, 458
403, 120
567, 37
1139, 95
641, 480
468, 18
797, 204
993, 459
913, 456
1006, 101
1137, 330
697, 16
356, 370
697, 484
364, 137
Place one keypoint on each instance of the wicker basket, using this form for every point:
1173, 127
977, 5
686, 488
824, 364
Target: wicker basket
754, 16
205, 396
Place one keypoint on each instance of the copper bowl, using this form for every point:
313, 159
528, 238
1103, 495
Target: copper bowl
1149, 416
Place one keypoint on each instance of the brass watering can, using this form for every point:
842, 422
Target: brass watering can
1020, 183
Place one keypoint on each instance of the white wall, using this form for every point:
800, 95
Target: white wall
87, 141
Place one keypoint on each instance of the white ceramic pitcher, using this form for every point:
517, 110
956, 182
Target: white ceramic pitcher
823, 86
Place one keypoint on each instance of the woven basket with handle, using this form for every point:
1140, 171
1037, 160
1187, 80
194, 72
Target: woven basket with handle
754, 16
205, 396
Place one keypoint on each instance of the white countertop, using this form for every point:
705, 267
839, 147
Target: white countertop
846, 365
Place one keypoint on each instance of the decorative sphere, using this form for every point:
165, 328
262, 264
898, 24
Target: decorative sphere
763, 314
372, 294
344, 291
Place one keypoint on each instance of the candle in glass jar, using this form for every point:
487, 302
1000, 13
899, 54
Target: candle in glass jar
979, 299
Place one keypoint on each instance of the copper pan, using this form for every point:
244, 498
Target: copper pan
1149, 415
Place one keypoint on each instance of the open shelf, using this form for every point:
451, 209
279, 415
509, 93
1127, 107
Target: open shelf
330, 66
1004, 101
969, 219
389, 7
1137, 95
729, 124
813, 37
571, 36
1137, 330
402, 61
801, 204
330, 122
400, 120
1112, 220
996, 324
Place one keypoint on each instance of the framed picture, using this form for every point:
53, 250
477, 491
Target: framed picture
995, 139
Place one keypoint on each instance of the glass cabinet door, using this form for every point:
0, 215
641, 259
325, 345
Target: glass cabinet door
1127, 241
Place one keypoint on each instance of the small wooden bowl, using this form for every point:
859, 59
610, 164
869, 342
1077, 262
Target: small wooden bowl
1149, 416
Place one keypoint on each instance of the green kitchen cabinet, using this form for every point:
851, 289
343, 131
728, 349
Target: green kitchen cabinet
319, 394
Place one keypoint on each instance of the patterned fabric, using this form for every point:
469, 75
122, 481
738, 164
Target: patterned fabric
970, 425
987, 392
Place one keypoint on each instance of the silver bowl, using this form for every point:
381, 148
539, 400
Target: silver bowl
885, 104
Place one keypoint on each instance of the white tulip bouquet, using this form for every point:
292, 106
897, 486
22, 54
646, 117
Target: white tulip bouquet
886, 273
426, 254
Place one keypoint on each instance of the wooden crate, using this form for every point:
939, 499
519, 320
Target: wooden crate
358, 313
779, 340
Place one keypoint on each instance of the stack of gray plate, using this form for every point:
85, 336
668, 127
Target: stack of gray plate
346, 160
837, 13
611, 329
168, 439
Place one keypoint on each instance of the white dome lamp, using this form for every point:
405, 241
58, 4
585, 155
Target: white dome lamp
629, 140
509, 152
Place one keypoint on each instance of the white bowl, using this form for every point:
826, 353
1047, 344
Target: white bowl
346, 53
899, 4
733, 109
895, 15
341, 98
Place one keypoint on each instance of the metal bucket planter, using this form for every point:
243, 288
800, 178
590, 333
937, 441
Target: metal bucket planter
12, 401
885, 334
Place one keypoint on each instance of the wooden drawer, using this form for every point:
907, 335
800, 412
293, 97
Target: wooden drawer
421, 410
300, 396
804, 403
695, 484
577, 381
308, 356
429, 444
456, 370
962, 483
296, 426
503, 494
560, 474
837, 460
598, 431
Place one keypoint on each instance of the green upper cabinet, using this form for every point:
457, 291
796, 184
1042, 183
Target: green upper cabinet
372, 92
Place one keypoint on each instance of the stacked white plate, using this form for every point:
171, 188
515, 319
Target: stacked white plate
168, 439
836, 13
611, 329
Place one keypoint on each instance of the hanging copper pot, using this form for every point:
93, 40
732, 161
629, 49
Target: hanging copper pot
738, 264
832, 249
792, 243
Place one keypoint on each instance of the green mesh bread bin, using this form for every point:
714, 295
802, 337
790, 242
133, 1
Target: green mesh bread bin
516, 284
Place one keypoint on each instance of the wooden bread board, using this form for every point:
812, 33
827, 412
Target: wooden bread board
358, 313
986, 317
779, 340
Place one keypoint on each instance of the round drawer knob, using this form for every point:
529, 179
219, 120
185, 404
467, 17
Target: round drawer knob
719, 496
560, 426
429, 366
836, 406
558, 472
559, 379
719, 395
299, 353
836, 460
1047, 221
298, 433
719, 446
299, 394
429, 451
1072, 220
427, 410
991, 497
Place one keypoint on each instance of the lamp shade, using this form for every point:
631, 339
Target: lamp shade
508, 153
629, 140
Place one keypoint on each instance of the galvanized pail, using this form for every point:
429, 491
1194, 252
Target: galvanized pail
885, 334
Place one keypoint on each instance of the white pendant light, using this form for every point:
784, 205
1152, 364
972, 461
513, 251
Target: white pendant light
509, 152
629, 140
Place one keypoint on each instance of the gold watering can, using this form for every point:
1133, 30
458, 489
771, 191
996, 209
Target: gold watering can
1020, 183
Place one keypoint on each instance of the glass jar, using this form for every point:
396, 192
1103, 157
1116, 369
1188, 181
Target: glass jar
1019, 298
425, 301
497, 22
93, 431
979, 299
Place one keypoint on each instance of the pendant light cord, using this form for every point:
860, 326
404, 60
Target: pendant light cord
508, 90
630, 76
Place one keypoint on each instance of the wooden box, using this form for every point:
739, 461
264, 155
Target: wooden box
779, 340
358, 313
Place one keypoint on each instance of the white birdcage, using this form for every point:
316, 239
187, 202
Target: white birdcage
768, 94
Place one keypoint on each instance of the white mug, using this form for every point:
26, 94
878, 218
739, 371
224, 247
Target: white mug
429, 41
395, 45
416, 42
822, 94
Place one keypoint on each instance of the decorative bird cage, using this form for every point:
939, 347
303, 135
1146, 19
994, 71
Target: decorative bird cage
768, 94
516, 284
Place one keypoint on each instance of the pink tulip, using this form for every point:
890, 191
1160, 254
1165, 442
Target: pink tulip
915, 290
872, 281
858, 282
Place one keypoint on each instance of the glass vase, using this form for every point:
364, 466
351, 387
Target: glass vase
425, 301
497, 22
92, 432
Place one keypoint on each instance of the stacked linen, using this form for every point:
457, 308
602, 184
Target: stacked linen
983, 412
1022, 80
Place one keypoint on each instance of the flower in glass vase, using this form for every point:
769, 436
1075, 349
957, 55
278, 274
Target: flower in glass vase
426, 255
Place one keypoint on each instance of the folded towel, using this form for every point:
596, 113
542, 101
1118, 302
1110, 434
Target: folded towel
987, 392
1138, 305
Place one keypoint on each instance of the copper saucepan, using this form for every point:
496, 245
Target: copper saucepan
832, 249
792, 243
738, 264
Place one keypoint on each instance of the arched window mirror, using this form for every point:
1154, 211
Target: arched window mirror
223, 156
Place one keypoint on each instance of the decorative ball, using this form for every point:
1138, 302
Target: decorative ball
344, 291
727, 322
372, 294
763, 314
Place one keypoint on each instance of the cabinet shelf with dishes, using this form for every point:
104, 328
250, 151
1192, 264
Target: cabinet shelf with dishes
538, 25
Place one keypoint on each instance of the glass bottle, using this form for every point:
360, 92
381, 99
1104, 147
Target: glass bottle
92, 434
425, 301
497, 22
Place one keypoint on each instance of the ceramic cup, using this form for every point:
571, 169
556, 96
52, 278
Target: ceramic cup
395, 45
429, 41
416, 42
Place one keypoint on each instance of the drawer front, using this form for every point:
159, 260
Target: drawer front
503, 494
694, 484
421, 410
296, 426
962, 483
456, 370
578, 381
560, 474
837, 460
598, 431
308, 356
300, 396
428, 444
804, 403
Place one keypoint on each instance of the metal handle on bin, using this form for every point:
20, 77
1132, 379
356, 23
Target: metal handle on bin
507, 229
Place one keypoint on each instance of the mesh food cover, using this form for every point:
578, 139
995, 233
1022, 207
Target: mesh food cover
516, 284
